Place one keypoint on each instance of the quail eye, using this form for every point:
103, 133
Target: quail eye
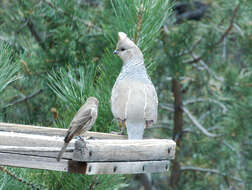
122, 49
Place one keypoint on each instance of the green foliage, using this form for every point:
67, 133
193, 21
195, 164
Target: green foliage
8, 66
133, 17
64, 181
65, 49
73, 86
8, 183
222, 74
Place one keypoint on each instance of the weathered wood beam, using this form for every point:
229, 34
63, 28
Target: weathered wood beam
34, 145
89, 168
31, 140
48, 131
124, 150
50, 152
92, 150
35, 162
37, 147
127, 167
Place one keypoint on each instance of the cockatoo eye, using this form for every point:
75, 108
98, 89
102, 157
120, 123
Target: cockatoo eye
122, 49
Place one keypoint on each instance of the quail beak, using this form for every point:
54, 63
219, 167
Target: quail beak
116, 52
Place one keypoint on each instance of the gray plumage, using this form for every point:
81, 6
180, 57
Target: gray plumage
134, 99
83, 121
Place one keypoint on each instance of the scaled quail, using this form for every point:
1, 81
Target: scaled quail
134, 99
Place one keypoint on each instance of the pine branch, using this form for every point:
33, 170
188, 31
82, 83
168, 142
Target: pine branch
194, 60
225, 34
204, 66
197, 124
229, 146
8, 67
58, 10
27, 70
139, 22
93, 184
230, 26
142, 24
211, 72
207, 170
5, 170
186, 52
35, 34
224, 108
166, 125
23, 99
167, 107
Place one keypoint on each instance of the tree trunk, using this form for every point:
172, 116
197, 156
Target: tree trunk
177, 130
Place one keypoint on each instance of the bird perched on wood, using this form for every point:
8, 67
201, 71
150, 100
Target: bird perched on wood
83, 121
134, 99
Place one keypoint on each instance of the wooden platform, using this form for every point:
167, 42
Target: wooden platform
37, 147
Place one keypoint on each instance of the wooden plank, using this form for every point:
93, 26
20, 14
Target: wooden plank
36, 147
31, 149
27, 161
45, 163
89, 168
31, 140
127, 167
95, 150
48, 131
124, 150
50, 152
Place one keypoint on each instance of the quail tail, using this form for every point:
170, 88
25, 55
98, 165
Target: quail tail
135, 129
63, 149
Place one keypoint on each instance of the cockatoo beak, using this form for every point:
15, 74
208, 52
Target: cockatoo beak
116, 52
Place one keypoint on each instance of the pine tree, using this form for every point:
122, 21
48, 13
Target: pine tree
199, 59
9, 69
62, 52
205, 67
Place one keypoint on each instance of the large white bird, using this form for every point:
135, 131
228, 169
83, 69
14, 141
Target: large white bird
134, 99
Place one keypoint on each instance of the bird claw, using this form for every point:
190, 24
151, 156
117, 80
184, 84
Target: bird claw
114, 132
121, 132
90, 138
79, 138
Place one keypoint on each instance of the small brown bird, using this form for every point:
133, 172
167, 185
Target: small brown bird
83, 121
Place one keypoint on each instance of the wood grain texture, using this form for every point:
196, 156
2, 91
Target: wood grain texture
91, 150
89, 168
33, 147
50, 152
127, 167
124, 150
35, 162
31, 140
48, 131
